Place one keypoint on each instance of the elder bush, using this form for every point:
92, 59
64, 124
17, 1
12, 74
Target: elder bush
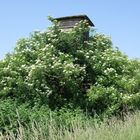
57, 68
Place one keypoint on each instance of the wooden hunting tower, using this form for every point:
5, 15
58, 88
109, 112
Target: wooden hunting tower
67, 23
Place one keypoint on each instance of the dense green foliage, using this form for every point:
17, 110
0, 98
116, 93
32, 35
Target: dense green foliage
56, 69
13, 115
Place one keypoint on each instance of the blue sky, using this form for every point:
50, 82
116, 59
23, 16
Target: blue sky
119, 19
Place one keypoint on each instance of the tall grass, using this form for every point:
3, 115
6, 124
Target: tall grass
112, 129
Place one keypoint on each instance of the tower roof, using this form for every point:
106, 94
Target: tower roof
72, 20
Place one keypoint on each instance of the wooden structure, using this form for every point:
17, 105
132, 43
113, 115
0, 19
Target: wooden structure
70, 21
67, 23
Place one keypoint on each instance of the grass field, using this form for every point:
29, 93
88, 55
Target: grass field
112, 129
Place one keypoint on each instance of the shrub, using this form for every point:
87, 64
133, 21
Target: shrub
56, 68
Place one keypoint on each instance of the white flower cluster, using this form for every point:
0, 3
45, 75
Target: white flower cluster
109, 70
